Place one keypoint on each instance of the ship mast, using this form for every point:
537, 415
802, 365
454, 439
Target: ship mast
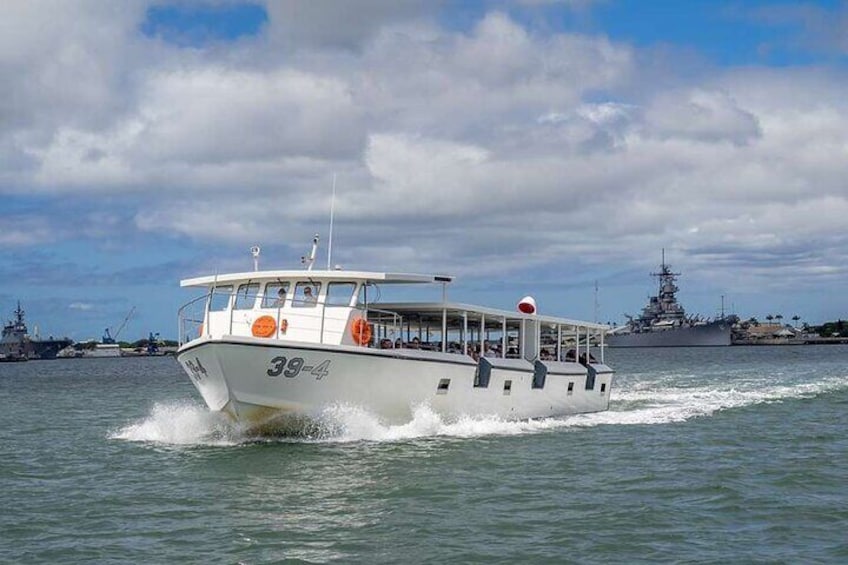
666, 293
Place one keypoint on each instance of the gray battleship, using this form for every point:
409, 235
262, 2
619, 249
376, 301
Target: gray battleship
17, 345
663, 322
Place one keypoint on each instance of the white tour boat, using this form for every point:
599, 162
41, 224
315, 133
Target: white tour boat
265, 345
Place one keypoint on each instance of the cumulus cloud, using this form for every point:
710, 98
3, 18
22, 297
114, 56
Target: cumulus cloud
710, 116
338, 23
511, 146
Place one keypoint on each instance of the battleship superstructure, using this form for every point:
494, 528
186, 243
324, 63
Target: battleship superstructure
17, 345
663, 322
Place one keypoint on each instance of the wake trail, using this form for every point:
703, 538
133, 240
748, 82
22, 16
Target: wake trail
640, 403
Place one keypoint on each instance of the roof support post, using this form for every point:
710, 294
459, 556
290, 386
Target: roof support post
559, 343
465, 333
482, 334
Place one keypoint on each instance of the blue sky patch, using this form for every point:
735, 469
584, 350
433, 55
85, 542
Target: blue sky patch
196, 25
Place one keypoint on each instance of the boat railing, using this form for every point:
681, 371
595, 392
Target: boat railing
388, 325
191, 316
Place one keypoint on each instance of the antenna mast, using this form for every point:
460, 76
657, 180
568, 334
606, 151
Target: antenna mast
330, 240
596, 301
309, 261
255, 251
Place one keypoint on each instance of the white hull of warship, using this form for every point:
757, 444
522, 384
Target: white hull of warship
270, 346
663, 322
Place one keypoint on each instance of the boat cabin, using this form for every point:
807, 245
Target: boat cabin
342, 308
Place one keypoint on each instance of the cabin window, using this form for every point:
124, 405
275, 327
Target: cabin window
306, 294
220, 298
570, 388
368, 292
507, 388
444, 384
603, 387
246, 296
275, 295
340, 293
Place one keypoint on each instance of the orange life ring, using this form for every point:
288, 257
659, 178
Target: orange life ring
360, 330
264, 326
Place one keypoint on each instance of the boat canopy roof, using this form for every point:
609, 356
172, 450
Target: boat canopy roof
433, 311
336, 275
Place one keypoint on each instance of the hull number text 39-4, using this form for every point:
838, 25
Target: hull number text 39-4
293, 366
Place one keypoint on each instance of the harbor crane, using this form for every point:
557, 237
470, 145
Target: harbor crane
108, 337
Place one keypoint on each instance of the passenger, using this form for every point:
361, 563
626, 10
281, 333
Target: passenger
385, 343
472, 352
308, 296
398, 343
415, 343
281, 298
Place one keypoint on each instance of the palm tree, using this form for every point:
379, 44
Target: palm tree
769, 318
779, 319
795, 319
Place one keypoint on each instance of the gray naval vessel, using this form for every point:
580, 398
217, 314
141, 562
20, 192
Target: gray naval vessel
17, 345
663, 322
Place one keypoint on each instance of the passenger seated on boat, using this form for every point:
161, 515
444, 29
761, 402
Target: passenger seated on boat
385, 343
414, 344
471, 350
308, 296
490, 350
570, 355
281, 298
398, 343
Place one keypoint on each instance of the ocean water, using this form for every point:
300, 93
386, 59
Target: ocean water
706, 455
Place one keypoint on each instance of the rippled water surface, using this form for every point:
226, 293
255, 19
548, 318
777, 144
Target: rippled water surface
707, 455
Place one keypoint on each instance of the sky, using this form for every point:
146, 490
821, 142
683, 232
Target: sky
551, 148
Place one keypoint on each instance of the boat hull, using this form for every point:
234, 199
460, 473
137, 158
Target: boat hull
713, 334
256, 381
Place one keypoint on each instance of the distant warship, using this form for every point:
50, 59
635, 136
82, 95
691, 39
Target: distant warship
17, 345
663, 322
